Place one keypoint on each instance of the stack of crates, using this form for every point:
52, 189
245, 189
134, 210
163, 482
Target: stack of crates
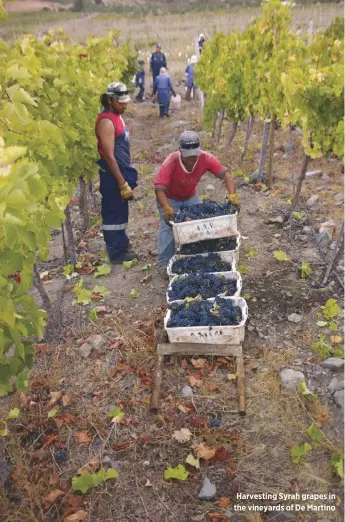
220, 227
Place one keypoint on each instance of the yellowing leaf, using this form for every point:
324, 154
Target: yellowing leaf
299, 451
337, 462
193, 381
78, 516
102, 270
315, 434
232, 376
128, 264
13, 414
116, 414
331, 309
198, 363
54, 411
83, 437
204, 452
52, 497
321, 324
336, 339
182, 435
279, 255
178, 473
305, 270
134, 293
192, 461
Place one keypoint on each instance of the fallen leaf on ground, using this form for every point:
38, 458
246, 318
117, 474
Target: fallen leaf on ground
40, 454
52, 497
148, 483
231, 470
83, 437
79, 516
184, 364
66, 400
75, 501
54, 397
218, 516
336, 339
204, 452
182, 435
221, 454
54, 479
232, 376
192, 461
146, 279
223, 502
91, 466
194, 382
198, 363
64, 418
198, 421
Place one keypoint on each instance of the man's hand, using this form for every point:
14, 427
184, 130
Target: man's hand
168, 214
126, 192
234, 199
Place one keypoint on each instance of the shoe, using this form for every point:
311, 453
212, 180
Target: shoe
123, 257
162, 272
167, 115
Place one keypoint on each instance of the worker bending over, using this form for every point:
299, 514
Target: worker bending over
176, 183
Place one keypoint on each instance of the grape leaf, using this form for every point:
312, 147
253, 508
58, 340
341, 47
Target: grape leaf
13, 414
134, 293
331, 309
336, 339
93, 315
192, 461
298, 215
128, 264
303, 390
305, 270
252, 252
116, 414
299, 451
54, 411
337, 462
100, 291
102, 270
242, 269
146, 267
279, 255
315, 434
321, 324
86, 481
183, 435
333, 327
178, 473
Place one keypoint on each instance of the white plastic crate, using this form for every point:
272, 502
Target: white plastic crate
227, 275
225, 255
207, 334
200, 229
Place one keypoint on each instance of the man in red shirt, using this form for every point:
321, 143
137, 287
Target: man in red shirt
176, 183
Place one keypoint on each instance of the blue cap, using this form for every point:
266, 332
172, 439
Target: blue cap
159, 46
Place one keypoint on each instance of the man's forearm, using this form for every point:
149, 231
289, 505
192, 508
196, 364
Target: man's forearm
230, 183
114, 169
161, 197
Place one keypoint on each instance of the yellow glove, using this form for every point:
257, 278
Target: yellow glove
233, 198
126, 192
168, 214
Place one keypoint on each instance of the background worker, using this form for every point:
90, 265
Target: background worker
157, 61
176, 183
201, 42
190, 78
118, 177
140, 80
162, 87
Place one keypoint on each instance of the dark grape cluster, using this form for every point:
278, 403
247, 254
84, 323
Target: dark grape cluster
208, 245
210, 263
206, 209
205, 285
221, 312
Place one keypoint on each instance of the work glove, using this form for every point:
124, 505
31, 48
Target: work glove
126, 192
234, 199
168, 214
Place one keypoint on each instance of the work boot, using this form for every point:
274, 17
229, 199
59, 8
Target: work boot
162, 272
167, 115
123, 257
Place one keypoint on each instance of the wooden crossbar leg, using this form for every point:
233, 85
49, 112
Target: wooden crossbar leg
241, 386
157, 381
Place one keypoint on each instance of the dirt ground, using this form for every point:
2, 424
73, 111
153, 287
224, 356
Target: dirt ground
252, 454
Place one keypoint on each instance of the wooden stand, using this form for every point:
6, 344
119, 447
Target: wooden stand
225, 350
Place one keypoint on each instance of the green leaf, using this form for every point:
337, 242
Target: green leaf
103, 254
305, 270
298, 215
134, 293
128, 264
299, 451
101, 291
246, 296
252, 252
146, 267
13, 414
83, 296
102, 270
192, 461
93, 315
321, 348
337, 462
68, 270
87, 481
116, 413
303, 390
331, 309
279, 255
54, 411
178, 473
333, 327
242, 269
3, 429
321, 324
22, 380
315, 434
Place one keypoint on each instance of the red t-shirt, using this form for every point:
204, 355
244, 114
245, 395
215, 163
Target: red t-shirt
177, 182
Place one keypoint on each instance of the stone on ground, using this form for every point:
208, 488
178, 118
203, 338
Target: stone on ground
338, 398
312, 201
277, 219
324, 239
97, 341
333, 363
208, 490
187, 391
290, 379
295, 318
336, 384
313, 173
85, 350
252, 209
